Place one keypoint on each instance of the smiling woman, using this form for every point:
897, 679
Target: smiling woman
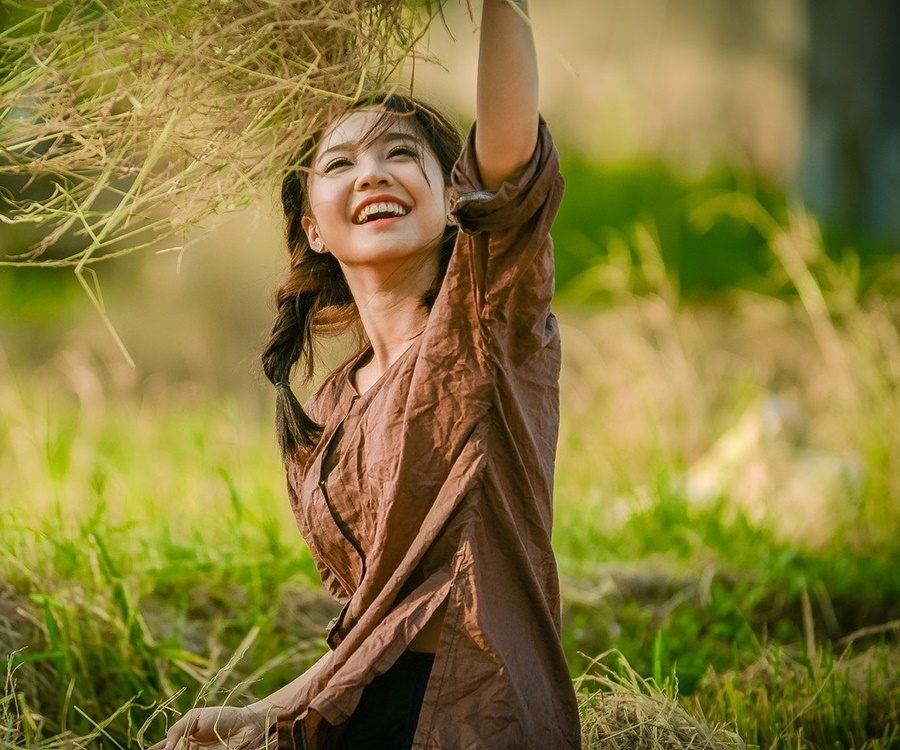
344, 272
420, 473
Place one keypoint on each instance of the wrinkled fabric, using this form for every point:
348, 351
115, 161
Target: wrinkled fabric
439, 488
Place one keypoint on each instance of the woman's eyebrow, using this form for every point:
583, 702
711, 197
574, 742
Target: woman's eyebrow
344, 146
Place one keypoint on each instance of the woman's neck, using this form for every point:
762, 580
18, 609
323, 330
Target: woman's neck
391, 312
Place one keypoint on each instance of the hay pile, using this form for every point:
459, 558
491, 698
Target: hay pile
623, 711
121, 123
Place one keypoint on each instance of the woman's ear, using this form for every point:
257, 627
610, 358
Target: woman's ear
312, 234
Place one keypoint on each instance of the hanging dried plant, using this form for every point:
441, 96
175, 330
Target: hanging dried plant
129, 120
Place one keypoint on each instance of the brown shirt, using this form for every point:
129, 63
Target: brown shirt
436, 486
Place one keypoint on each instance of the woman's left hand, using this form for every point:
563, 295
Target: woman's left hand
215, 728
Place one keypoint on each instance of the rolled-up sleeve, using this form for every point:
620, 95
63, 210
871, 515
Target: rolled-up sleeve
508, 231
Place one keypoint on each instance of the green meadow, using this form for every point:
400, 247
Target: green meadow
727, 498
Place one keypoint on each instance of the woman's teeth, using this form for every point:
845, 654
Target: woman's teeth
379, 210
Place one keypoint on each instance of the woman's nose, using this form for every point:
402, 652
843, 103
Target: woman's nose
372, 172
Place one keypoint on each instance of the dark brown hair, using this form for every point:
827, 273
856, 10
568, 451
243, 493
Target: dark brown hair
315, 298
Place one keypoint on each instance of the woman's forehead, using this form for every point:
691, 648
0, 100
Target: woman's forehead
362, 127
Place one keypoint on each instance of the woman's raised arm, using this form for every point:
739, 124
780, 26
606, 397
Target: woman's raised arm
507, 103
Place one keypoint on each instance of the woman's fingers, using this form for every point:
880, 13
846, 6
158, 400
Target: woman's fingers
175, 733
170, 741
180, 730
192, 723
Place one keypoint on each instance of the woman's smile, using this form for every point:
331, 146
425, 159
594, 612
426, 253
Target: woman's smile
375, 210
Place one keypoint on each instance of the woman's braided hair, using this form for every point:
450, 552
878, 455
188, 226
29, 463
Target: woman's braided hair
315, 298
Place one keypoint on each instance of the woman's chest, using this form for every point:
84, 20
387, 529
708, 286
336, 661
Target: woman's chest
383, 455
339, 496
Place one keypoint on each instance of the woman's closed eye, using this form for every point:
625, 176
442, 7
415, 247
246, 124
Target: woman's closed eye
403, 150
341, 161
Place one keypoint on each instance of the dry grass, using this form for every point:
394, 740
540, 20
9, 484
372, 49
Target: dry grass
138, 107
131, 122
628, 712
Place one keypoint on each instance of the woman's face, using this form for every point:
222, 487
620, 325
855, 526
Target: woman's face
375, 200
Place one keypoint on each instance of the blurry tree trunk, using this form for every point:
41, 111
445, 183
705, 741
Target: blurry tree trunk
850, 174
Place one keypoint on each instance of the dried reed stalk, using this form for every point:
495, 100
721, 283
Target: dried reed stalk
130, 121
627, 712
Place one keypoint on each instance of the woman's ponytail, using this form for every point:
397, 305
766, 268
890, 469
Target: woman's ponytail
315, 296
295, 431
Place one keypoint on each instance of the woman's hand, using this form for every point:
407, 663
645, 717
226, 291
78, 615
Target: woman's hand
222, 727
216, 728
